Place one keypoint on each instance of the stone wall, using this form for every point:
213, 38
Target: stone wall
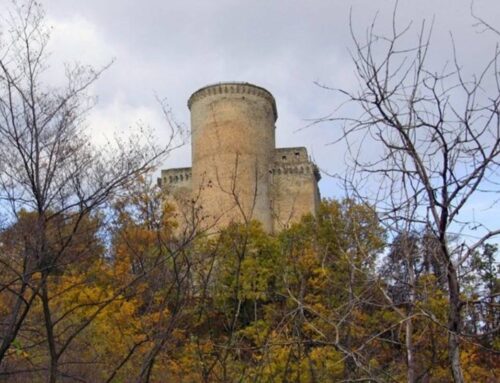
177, 184
294, 186
177, 177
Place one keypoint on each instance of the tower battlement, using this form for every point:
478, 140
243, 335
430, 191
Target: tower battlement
241, 88
174, 176
290, 155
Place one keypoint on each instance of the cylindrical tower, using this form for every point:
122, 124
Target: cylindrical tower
232, 138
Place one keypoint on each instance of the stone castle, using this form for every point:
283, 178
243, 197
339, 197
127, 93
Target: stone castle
237, 172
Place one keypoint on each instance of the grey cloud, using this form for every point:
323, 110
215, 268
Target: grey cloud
174, 47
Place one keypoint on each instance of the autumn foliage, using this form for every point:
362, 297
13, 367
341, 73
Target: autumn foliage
321, 301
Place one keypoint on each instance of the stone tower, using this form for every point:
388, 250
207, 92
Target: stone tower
237, 173
232, 138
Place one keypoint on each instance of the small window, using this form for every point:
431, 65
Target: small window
283, 158
297, 154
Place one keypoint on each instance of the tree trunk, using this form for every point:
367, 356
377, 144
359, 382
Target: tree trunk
349, 362
15, 323
410, 352
454, 323
410, 357
52, 376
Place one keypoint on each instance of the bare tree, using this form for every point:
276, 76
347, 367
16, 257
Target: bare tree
51, 168
438, 139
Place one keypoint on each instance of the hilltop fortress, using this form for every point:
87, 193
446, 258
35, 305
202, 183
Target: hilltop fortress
237, 172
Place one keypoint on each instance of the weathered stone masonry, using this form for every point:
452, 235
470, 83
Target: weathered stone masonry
237, 173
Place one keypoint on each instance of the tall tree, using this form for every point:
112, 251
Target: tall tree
50, 167
438, 138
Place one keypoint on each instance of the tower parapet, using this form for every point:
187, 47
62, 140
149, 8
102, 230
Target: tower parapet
232, 88
294, 161
175, 176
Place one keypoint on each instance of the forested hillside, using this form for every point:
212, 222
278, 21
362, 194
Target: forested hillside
326, 300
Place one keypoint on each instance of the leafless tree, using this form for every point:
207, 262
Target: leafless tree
50, 168
435, 143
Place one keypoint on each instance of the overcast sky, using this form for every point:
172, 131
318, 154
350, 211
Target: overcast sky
172, 48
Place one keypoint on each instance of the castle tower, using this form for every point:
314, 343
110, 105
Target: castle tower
233, 141
237, 174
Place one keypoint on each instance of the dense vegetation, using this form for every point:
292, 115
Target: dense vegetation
325, 300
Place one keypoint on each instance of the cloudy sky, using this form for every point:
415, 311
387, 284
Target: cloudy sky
171, 48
